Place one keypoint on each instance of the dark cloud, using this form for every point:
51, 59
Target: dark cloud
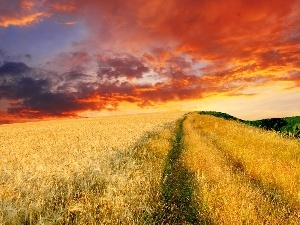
74, 75
23, 88
115, 87
179, 62
28, 56
128, 66
14, 69
72, 59
34, 95
54, 104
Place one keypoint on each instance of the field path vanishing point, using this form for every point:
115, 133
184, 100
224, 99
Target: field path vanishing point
198, 170
177, 194
224, 172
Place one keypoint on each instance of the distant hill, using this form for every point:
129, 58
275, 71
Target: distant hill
289, 126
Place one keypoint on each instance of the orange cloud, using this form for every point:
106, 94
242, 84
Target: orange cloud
21, 13
22, 21
63, 7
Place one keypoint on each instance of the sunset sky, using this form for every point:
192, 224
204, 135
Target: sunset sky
98, 57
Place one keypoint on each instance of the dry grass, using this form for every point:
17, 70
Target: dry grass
244, 175
147, 169
101, 170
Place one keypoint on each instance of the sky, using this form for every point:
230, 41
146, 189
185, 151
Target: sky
73, 58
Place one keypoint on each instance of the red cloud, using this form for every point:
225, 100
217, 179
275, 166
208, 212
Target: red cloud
239, 43
20, 13
63, 7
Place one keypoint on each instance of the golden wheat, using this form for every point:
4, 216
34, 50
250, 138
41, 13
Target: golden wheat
126, 169
237, 169
82, 170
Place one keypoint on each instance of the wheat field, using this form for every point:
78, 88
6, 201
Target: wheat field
163, 168
243, 175
77, 171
